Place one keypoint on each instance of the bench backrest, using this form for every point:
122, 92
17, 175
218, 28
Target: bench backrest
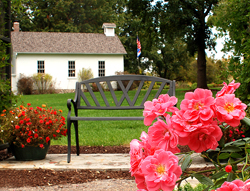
141, 79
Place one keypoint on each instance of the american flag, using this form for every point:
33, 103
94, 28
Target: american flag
138, 47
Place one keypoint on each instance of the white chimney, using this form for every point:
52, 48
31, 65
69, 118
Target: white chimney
109, 29
16, 26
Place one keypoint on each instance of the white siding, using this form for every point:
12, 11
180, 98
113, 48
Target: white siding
57, 66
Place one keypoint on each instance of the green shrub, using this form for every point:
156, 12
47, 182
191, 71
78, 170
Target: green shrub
25, 85
194, 86
43, 83
85, 74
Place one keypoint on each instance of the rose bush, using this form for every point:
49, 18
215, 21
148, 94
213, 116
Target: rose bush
28, 126
203, 124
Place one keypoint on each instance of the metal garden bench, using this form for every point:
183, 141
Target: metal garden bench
81, 101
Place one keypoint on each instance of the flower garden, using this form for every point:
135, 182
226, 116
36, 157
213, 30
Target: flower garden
200, 123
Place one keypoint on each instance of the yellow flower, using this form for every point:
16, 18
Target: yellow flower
43, 105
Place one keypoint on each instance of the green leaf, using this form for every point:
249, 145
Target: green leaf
219, 174
220, 182
186, 163
231, 149
230, 177
224, 155
222, 142
203, 179
207, 188
236, 155
246, 121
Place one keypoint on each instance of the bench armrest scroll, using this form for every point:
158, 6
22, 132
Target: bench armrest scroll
69, 101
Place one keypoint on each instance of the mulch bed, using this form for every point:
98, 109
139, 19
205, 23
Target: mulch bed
41, 177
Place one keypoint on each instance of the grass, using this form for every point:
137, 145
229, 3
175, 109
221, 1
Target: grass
97, 133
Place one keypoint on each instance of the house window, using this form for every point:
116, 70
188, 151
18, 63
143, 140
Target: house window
40, 66
101, 68
71, 69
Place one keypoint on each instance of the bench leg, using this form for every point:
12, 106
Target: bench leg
77, 138
69, 140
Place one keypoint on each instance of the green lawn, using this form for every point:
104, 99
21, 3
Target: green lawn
97, 132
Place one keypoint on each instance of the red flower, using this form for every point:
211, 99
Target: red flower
21, 121
28, 104
55, 113
29, 123
41, 121
17, 126
47, 139
228, 168
22, 145
36, 135
30, 133
54, 135
41, 145
28, 140
23, 113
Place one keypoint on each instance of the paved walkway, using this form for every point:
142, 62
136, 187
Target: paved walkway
84, 161
87, 161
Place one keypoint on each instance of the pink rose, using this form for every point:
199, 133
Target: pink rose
136, 156
197, 106
161, 170
163, 136
228, 89
183, 127
230, 109
235, 185
140, 180
205, 137
158, 107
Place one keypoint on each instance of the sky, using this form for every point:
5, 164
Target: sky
218, 48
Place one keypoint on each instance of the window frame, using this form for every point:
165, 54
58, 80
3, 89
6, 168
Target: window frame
71, 68
101, 68
40, 66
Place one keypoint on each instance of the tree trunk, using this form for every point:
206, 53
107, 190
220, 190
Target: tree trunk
201, 61
201, 69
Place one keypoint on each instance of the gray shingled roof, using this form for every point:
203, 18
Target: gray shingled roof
57, 42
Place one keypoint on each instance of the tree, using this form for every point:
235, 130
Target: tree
188, 19
64, 15
178, 18
163, 53
231, 17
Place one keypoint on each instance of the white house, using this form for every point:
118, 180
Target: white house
63, 55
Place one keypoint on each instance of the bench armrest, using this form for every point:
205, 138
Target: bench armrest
69, 101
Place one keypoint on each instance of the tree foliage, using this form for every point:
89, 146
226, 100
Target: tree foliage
160, 51
231, 17
64, 15
165, 23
